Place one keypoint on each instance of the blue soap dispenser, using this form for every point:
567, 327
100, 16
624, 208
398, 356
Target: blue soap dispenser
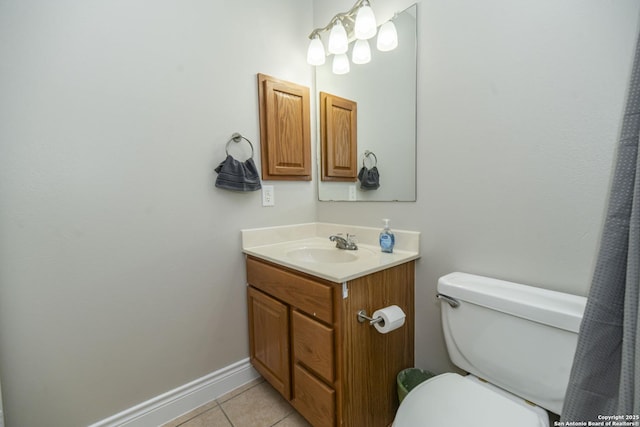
387, 239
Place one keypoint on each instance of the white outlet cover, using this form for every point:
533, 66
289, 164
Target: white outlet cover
352, 192
268, 195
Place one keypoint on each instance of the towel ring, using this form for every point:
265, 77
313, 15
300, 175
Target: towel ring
236, 137
367, 155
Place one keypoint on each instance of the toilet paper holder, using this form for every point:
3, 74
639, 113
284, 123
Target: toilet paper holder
362, 317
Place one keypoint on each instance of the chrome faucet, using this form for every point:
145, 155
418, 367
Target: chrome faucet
342, 243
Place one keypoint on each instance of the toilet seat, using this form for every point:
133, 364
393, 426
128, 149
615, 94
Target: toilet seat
450, 399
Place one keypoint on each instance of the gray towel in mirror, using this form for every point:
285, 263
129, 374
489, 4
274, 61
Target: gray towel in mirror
369, 178
238, 176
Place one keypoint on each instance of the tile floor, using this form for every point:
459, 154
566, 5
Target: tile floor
255, 404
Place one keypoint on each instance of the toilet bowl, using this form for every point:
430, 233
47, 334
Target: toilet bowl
516, 342
454, 400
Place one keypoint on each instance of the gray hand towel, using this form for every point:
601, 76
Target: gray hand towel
238, 176
369, 178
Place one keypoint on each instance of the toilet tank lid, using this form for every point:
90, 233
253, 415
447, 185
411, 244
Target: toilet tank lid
551, 308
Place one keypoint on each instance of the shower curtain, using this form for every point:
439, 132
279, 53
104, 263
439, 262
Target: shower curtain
605, 377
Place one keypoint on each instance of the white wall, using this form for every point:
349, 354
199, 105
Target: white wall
121, 274
519, 109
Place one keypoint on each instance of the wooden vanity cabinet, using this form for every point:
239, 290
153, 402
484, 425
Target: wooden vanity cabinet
305, 340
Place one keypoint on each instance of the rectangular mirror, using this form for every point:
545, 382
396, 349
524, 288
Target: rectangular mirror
385, 92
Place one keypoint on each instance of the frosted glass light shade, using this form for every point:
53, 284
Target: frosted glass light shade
361, 52
365, 23
387, 37
315, 53
338, 42
340, 64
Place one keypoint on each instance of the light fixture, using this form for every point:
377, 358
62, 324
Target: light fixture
387, 37
365, 26
338, 41
359, 24
361, 52
315, 53
340, 64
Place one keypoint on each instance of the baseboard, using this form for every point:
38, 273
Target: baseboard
164, 408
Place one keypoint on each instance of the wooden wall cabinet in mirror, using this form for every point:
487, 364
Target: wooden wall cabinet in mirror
339, 138
285, 135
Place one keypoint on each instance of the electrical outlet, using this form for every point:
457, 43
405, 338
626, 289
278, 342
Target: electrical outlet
352, 192
268, 195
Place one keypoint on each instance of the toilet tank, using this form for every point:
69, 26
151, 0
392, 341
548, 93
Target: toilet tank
517, 337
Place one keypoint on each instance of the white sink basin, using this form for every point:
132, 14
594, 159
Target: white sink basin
322, 255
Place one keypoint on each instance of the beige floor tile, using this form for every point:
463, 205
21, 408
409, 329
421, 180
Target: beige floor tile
260, 406
293, 420
186, 417
239, 390
212, 418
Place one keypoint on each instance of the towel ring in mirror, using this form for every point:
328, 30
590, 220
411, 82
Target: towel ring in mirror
236, 137
367, 155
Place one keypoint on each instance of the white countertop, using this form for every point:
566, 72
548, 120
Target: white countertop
276, 244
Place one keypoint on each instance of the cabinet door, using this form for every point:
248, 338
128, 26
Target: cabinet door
338, 133
285, 133
269, 340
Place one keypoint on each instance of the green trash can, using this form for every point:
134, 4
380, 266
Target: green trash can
409, 378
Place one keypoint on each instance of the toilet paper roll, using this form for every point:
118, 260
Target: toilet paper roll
392, 316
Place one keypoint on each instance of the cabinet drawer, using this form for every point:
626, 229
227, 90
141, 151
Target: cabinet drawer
308, 295
313, 399
313, 345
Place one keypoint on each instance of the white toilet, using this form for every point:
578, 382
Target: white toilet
516, 342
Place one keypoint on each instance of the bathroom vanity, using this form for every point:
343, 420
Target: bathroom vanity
304, 296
